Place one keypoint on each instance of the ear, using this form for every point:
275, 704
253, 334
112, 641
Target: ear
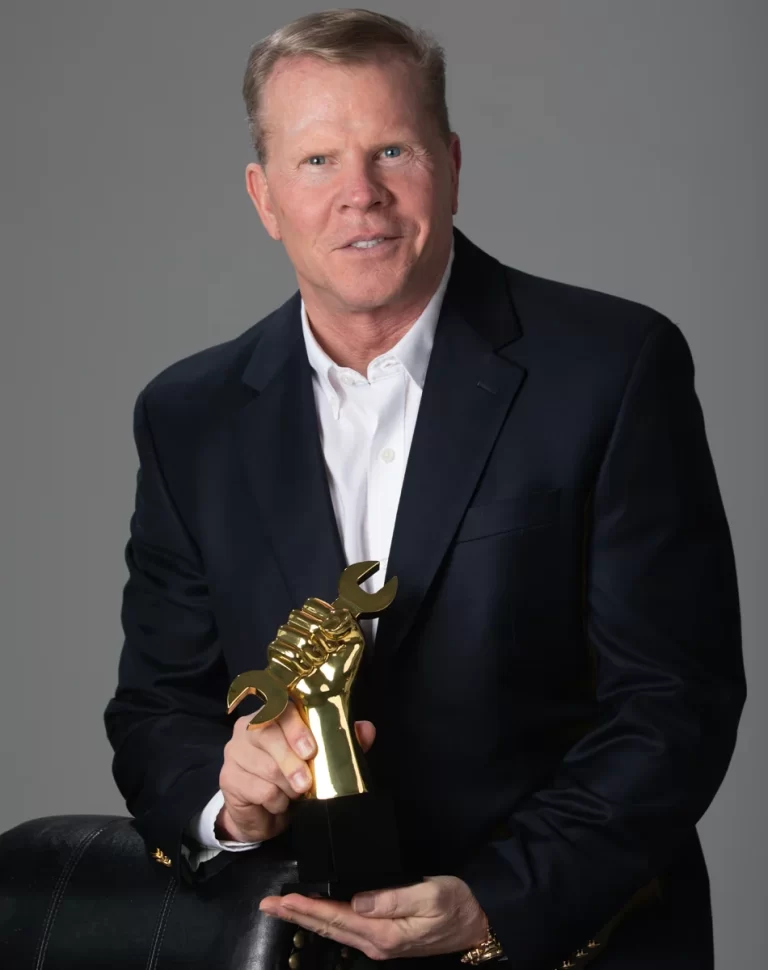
454, 148
258, 189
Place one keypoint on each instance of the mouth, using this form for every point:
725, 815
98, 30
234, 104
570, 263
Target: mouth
369, 242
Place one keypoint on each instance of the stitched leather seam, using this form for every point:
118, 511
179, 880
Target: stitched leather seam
58, 892
162, 923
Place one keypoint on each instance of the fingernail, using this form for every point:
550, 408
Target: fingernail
300, 779
305, 747
364, 903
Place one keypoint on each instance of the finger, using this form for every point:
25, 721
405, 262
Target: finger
328, 918
244, 752
271, 738
245, 790
296, 732
243, 821
338, 623
317, 609
267, 795
421, 899
365, 732
260, 764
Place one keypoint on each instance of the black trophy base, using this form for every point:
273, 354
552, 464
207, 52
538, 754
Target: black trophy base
346, 845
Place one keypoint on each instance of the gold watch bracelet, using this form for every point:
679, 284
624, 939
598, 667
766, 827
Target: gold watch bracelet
489, 949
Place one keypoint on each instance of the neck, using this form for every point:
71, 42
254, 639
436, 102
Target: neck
354, 342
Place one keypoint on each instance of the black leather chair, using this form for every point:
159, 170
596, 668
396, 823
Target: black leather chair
81, 892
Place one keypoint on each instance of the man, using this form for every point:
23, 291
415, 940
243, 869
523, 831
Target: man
557, 686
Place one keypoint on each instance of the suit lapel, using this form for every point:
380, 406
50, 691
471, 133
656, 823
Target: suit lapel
468, 391
280, 446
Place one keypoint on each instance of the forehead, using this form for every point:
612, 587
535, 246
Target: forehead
307, 94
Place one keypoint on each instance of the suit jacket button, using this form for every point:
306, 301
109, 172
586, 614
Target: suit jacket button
159, 856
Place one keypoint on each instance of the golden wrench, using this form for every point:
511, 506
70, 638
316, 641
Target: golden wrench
273, 683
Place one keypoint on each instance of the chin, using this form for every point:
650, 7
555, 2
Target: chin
370, 302
368, 297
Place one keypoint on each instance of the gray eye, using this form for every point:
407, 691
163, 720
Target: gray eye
392, 148
316, 159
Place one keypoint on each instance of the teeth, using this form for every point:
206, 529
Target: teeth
367, 243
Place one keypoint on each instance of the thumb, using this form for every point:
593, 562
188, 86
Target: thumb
366, 734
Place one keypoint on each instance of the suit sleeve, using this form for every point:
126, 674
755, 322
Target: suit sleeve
662, 620
167, 722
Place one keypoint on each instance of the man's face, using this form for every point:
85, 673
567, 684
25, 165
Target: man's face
352, 153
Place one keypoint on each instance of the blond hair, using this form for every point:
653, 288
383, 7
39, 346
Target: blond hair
341, 36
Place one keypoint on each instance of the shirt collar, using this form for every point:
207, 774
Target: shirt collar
412, 350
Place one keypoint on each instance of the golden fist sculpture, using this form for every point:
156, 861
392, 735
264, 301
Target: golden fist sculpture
313, 661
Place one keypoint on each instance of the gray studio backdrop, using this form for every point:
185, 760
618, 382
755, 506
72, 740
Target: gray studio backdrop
614, 144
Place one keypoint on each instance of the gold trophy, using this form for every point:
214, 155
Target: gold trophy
313, 661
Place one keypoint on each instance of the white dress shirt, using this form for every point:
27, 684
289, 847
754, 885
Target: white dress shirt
366, 425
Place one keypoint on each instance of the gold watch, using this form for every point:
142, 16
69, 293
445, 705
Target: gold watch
489, 949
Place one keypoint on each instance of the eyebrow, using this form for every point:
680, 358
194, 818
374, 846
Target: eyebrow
309, 146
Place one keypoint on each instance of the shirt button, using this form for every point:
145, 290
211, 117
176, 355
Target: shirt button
387, 455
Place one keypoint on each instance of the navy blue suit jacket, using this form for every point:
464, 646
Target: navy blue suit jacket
558, 683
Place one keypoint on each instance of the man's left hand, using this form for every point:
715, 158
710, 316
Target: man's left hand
439, 915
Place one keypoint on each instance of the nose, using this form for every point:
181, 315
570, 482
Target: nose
361, 189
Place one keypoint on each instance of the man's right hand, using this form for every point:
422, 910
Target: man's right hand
264, 770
